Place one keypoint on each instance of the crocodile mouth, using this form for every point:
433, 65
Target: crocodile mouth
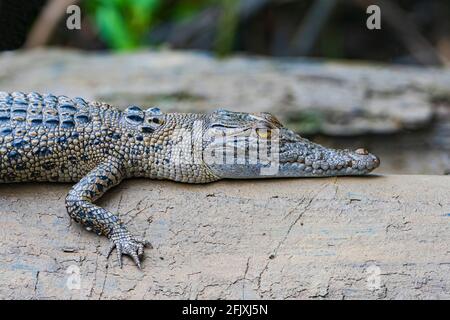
320, 161
282, 153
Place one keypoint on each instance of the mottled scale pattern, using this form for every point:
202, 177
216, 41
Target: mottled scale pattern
44, 137
30, 110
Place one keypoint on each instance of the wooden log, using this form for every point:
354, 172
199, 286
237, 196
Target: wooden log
378, 237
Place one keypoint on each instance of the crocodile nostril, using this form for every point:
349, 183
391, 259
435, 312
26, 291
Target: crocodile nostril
362, 151
376, 161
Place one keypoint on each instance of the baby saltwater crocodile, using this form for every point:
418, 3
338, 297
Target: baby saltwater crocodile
44, 137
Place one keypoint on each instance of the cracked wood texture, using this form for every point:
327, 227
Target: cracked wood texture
379, 237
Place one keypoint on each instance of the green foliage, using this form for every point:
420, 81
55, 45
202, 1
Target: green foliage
123, 23
188, 8
227, 27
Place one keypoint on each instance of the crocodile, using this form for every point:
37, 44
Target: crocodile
50, 138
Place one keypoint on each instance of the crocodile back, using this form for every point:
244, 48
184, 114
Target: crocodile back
18, 109
42, 135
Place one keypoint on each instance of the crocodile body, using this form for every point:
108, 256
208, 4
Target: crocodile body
44, 137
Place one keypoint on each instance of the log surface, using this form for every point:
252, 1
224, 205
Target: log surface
379, 237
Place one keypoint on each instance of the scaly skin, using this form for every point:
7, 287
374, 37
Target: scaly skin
58, 139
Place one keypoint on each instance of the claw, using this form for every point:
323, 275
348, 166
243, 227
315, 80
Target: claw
135, 258
124, 243
143, 242
147, 244
110, 249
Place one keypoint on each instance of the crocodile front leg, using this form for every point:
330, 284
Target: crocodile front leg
80, 206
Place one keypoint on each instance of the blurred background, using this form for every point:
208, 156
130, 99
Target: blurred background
414, 31
398, 77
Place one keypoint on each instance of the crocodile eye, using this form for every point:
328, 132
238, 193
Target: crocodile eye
264, 133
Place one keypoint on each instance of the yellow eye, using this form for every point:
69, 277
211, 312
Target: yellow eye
263, 133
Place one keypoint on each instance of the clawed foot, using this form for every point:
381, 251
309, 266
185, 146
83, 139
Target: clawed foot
125, 243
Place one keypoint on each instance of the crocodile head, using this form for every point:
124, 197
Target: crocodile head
257, 145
